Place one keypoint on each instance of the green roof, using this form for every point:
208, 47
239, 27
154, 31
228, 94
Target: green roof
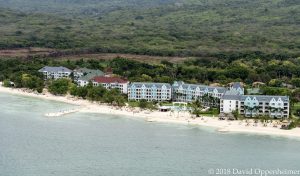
89, 73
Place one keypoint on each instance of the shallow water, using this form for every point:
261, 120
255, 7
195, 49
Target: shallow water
93, 145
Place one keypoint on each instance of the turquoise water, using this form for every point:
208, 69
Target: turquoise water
96, 145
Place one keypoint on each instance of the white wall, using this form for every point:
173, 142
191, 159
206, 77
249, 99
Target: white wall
125, 88
82, 83
229, 106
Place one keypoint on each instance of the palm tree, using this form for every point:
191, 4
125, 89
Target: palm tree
246, 109
272, 110
280, 110
196, 107
256, 108
251, 109
216, 101
264, 118
204, 98
178, 94
268, 108
209, 100
275, 110
236, 114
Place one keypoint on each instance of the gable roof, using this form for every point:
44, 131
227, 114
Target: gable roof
200, 86
150, 84
88, 74
89, 71
267, 98
55, 69
232, 94
237, 85
261, 98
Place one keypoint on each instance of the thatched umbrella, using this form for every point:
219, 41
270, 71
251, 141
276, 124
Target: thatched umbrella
222, 116
230, 116
285, 124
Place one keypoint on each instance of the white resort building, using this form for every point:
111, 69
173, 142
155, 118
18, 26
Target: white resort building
256, 105
150, 91
55, 72
111, 83
228, 99
190, 92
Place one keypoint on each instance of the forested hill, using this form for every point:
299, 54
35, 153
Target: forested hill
158, 27
82, 7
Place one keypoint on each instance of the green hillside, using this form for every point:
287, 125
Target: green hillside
178, 28
82, 7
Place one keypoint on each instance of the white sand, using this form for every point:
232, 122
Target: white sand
155, 116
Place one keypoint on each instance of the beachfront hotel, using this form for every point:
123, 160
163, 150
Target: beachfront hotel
55, 72
111, 83
256, 105
183, 92
83, 76
228, 99
150, 91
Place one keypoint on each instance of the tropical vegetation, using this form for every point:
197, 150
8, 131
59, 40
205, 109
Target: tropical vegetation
209, 29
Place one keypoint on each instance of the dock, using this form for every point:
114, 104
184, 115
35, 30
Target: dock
62, 113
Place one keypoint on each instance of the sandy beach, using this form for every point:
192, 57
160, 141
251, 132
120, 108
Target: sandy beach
161, 117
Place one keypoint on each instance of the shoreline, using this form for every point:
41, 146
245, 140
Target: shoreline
86, 106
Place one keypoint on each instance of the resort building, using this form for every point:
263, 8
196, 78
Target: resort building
190, 92
237, 86
111, 83
150, 91
55, 72
84, 75
256, 105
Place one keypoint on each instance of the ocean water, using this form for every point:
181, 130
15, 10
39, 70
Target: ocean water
95, 145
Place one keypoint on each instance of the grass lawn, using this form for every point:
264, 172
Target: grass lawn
212, 112
166, 104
